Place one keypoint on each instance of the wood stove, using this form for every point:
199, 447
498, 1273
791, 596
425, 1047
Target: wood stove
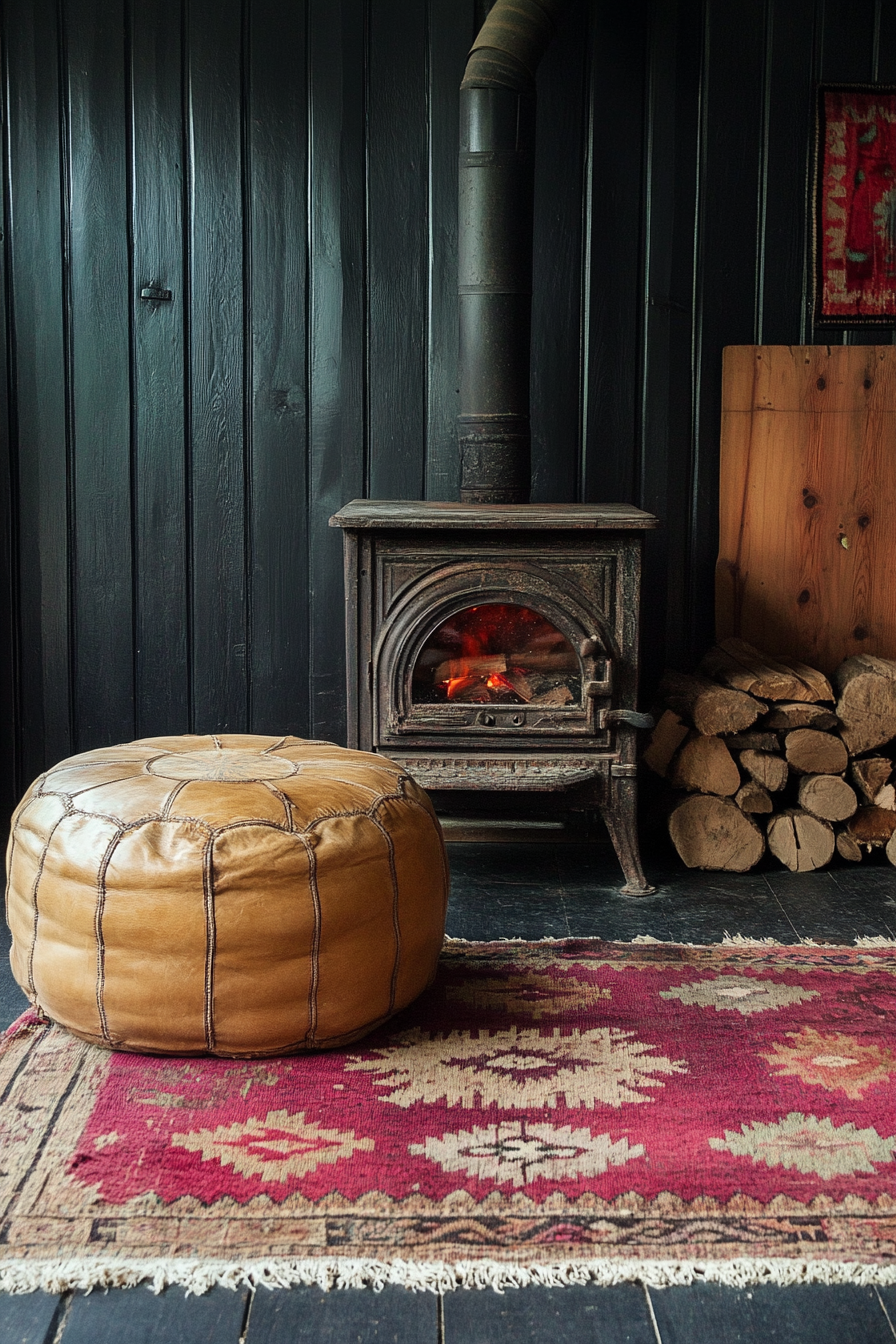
495, 647
493, 643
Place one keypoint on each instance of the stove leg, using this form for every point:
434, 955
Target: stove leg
620, 816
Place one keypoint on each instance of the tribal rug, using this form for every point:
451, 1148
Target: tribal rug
549, 1112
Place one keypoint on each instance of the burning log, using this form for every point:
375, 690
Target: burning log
481, 665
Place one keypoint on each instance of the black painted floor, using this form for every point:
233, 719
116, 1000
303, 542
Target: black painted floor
535, 891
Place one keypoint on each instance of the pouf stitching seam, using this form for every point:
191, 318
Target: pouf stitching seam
34, 903
396, 926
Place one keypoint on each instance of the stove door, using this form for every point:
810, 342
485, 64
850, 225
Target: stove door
521, 660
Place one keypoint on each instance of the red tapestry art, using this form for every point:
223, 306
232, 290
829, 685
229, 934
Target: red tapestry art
541, 1104
856, 238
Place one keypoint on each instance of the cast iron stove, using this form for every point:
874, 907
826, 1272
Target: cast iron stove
495, 647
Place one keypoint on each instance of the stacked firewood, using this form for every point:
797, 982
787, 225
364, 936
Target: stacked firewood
765, 751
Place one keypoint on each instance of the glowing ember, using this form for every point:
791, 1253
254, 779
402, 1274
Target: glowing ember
498, 653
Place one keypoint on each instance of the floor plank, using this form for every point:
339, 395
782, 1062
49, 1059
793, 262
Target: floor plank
343, 1316
574, 1315
835, 905
816, 1312
139, 1316
29, 1318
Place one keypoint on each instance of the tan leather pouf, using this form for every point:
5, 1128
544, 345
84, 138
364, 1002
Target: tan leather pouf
225, 895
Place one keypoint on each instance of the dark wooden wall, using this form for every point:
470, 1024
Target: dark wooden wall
287, 170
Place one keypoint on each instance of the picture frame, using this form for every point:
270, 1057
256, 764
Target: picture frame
854, 218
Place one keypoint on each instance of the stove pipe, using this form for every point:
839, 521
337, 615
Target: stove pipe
497, 134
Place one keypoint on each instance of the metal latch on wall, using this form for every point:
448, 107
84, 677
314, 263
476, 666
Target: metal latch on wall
155, 294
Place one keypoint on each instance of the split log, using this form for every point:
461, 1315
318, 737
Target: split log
802, 842
705, 765
519, 684
752, 741
870, 777
827, 796
810, 752
848, 847
872, 826
814, 681
752, 797
709, 707
711, 832
886, 797
867, 704
665, 740
790, 716
765, 768
738, 664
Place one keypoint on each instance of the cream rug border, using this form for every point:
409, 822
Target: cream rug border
197, 1276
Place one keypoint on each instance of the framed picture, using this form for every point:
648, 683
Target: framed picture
855, 205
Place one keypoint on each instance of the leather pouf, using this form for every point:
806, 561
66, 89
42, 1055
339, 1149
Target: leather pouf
235, 895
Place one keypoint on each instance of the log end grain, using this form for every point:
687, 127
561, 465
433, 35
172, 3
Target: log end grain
802, 843
810, 752
827, 796
765, 768
714, 833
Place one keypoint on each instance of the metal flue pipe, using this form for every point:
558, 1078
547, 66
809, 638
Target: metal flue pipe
497, 134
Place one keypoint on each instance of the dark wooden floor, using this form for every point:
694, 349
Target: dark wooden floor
535, 891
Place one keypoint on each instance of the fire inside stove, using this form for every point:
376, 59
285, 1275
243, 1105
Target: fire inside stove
498, 653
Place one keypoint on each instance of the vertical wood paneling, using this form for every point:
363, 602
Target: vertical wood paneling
336, 364
557, 260
217, 351
614, 262
277, 173
665, 360
397, 248
291, 178
39, 363
731, 167
161, 607
785, 279
451, 29
99, 291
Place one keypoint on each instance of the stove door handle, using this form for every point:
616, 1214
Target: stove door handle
631, 717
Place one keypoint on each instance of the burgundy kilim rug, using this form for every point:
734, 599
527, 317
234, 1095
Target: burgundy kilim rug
547, 1112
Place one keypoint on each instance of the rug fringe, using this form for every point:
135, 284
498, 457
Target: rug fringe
198, 1276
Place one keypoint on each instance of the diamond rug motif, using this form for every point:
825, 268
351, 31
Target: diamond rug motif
542, 1103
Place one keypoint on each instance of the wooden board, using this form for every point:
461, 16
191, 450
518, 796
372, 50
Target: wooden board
807, 501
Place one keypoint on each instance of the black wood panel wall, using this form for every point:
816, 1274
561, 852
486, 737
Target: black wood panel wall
287, 171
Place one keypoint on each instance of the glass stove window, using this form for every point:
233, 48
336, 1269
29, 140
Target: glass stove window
497, 653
